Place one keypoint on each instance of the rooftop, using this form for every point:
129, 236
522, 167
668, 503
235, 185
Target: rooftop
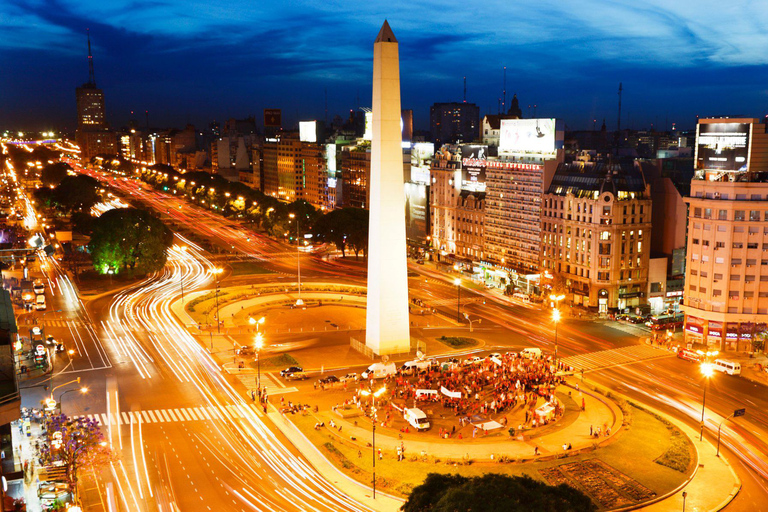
585, 178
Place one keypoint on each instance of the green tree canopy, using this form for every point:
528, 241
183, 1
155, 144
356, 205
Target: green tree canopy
129, 238
76, 193
494, 493
345, 228
52, 174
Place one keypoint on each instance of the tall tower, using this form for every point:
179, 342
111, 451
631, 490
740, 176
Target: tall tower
387, 322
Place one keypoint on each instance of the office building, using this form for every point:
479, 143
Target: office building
93, 135
726, 277
452, 123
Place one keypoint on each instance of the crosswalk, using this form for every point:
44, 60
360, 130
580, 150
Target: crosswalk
178, 415
614, 357
56, 323
636, 330
452, 302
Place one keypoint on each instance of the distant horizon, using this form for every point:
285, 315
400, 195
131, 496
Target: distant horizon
195, 62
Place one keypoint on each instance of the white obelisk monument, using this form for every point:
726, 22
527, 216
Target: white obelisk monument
387, 323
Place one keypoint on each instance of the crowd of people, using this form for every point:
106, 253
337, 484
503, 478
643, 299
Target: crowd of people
489, 388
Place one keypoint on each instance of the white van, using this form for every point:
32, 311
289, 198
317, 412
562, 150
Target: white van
420, 365
728, 367
40, 303
416, 418
379, 371
39, 287
531, 353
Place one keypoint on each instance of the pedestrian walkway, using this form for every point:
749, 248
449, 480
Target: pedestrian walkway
178, 415
636, 330
452, 302
614, 357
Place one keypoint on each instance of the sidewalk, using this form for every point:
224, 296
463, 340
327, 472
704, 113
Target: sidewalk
713, 484
577, 434
339, 480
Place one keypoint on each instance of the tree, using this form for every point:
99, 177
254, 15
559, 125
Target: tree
347, 227
52, 174
76, 193
357, 230
494, 493
82, 222
77, 443
129, 238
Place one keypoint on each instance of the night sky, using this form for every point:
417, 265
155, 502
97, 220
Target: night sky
200, 60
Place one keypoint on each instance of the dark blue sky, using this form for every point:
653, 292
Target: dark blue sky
200, 60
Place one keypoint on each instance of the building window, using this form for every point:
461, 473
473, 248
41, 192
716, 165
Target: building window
707, 213
695, 241
716, 293
735, 277
719, 245
736, 245
723, 215
738, 215
697, 213
754, 215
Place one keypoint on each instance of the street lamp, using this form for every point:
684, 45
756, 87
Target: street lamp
707, 369
556, 300
457, 282
216, 272
374, 396
299, 302
259, 344
83, 390
556, 319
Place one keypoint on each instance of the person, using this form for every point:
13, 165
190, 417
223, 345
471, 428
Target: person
569, 446
583, 404
535, 450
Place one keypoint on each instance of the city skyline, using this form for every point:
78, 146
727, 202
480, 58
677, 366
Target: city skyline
188, 63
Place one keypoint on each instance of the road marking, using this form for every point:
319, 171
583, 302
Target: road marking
614, 357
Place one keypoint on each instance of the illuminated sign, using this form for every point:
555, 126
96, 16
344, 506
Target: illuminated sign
416, 212
273, 117
421, 156
473, 164
722, 146
308, 131
525, 136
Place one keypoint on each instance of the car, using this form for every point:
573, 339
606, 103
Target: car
39, 288
291, 369
50, 340
350, 377
472, 360
453, 362
494, 355
245, 350
297, 376
331, 379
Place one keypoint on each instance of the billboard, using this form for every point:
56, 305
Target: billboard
421, 157
273, 117
528, 136
308, 131
722, 146
416, 211
406, 125
473, 164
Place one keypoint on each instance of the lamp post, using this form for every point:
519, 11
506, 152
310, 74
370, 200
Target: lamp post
216, 272
457, 282
259, 344
556, 319
374, 396
83, 390
734, 414
299, 302
707, 370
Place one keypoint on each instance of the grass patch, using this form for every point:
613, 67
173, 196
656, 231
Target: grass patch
678, 456
246, 268
281, 361
457, 341
633, 454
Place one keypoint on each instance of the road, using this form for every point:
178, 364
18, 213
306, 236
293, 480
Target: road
669, 384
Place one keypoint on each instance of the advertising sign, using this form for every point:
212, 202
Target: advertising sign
527, 136
421, 157
273, 117
450, 394
473, 164
416, 221
308, 131
722, 146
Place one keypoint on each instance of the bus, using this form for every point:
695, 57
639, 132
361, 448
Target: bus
663, 322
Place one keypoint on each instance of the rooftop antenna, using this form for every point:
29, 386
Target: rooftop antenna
465, 89
91, 75
146, 115
504, 100
618, 123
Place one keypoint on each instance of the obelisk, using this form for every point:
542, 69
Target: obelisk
387, 323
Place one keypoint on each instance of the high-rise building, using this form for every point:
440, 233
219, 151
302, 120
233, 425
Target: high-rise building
726, 274
596, 234
93, 135
452, 123
283, 167
315, 174
356, 175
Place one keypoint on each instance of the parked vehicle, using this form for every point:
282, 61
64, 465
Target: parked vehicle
531, 353
657, 323
291, 369
472, 360
297, 376
416, 418
420, 365
379, 371
350, 377
245, 350
729, 367
38, 288
331, 379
